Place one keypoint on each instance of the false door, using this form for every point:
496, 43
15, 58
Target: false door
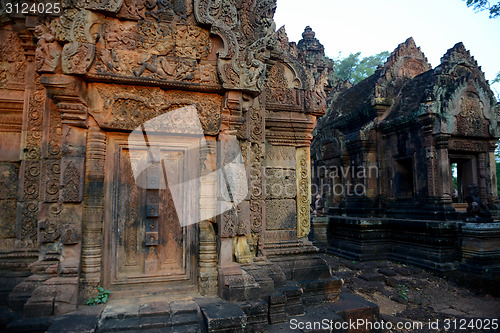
146, 239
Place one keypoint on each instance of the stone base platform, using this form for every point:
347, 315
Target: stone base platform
197, 315
437, 245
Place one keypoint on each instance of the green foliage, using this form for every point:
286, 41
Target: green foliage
354, 69
497, 78
480, 5
454, 170
403, 291
101, 298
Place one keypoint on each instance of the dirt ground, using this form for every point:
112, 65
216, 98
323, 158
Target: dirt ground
406, 293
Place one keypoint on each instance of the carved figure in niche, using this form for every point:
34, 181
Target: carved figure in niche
319, 205
470, 120
476, 207
48, 51
316, 99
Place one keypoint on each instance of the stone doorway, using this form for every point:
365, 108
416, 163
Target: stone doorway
464, 166
146, 241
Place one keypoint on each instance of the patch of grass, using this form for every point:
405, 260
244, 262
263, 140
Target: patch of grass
403, 291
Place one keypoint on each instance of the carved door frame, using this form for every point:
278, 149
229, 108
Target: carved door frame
116, 141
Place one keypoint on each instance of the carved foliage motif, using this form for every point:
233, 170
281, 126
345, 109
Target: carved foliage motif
12, 59
52, 177
71, 183
78, 55
132, 107
470, 121
31, 167
229, 219
28, 230
248, 32
303, 192
34, 125
278, 87
49, 229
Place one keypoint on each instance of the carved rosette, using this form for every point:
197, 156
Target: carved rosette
303, 191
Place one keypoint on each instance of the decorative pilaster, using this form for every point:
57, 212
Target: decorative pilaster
483, 191
493, 193
256, 174
427, 122
303, 170
30, 174
443, 167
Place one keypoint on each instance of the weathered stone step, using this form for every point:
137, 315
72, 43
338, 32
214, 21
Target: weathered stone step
177, 316
222, 316
130, 324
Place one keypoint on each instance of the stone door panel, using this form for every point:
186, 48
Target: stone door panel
145, 240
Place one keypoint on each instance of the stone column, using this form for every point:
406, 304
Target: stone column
208, 208
93, 213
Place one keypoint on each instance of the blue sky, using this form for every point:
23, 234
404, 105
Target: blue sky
372, 26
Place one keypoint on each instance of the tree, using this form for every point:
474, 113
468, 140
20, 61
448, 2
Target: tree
497, 79
354, 69
480, 5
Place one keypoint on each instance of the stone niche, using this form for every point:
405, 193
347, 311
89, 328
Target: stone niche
118, 100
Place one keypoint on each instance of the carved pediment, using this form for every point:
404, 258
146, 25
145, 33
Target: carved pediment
247, 30
283, 88
406, 61
470, 120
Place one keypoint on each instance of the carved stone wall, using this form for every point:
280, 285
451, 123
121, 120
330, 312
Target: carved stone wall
405, 121
102, 70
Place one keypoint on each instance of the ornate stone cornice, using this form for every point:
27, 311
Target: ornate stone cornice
69, 94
